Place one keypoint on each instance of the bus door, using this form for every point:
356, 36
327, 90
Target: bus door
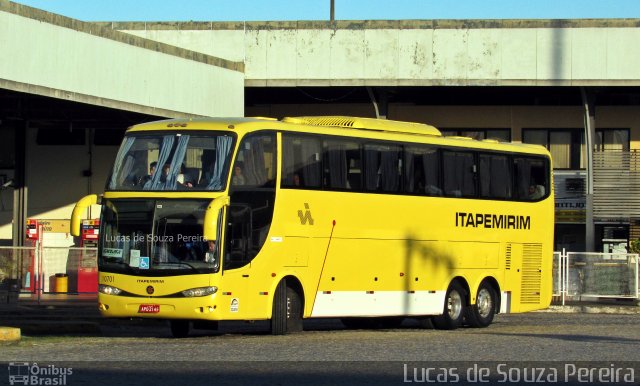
236, 266
249, 215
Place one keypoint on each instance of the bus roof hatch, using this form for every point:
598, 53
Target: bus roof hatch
366, 124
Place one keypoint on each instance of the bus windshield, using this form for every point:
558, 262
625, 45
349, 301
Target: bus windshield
155, 237
172, 161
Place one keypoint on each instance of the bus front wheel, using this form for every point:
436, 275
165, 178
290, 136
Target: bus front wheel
481, 314
287, 310
454, 308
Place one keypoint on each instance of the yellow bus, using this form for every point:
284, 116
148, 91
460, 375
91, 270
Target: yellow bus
366, 220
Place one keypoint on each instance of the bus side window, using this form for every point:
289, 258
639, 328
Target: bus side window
354, 176
383, 167
495, 176
255, 163
338, 158
301, 163
459, 174
372, 167
531, 178
238, 234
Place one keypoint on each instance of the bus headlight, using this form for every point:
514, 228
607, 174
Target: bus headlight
202, 291
109, 290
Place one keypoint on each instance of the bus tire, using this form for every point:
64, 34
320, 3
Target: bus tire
425, 322
294, 310
179, 328
481, 314
454, 308
287, 310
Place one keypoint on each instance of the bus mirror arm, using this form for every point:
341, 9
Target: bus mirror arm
78, 212
210, 227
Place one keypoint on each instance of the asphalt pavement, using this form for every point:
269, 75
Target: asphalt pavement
55, 314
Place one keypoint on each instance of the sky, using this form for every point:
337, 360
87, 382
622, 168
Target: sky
275, 10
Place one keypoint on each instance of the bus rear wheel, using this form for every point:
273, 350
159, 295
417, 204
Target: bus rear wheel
481, 314
287, 310
454, 308
179, 328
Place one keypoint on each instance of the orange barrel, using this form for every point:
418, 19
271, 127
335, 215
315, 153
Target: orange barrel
61, 283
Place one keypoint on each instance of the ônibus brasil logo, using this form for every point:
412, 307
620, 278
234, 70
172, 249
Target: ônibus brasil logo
23, 373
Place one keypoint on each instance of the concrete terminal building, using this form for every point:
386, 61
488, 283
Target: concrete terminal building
68, 89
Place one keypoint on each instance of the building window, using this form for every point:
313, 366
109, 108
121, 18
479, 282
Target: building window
502, 135
612, 140
566, 146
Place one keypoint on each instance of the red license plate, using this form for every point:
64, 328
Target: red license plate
149, 309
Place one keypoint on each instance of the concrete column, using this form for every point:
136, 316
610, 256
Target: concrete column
20, 186
588, 100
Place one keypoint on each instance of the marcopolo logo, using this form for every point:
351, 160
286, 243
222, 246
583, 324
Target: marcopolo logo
23, 373
306, 216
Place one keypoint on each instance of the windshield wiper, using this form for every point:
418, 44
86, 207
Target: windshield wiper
172, 265
188, 265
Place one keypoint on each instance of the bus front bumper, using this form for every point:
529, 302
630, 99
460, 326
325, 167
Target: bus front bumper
203, 307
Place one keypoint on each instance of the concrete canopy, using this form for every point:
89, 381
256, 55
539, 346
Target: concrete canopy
55, 56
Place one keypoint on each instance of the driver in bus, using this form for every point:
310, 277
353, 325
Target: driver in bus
211, 255
152, 169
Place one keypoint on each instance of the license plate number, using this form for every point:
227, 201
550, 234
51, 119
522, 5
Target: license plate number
149, 309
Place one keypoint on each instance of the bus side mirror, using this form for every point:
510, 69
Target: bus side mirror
210, 227
78, 212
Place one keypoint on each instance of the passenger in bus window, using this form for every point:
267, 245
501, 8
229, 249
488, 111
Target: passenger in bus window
208, 164
183, 181
296, 180
238, 176
165, 172
536, 192
432, 190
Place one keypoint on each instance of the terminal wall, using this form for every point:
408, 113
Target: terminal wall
416, 53
55, 180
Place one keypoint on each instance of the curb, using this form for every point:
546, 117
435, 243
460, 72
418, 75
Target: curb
57, 327
9, 334
590, 309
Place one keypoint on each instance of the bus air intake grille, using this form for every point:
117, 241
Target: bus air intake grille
370, 124
327, 121
531, 273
